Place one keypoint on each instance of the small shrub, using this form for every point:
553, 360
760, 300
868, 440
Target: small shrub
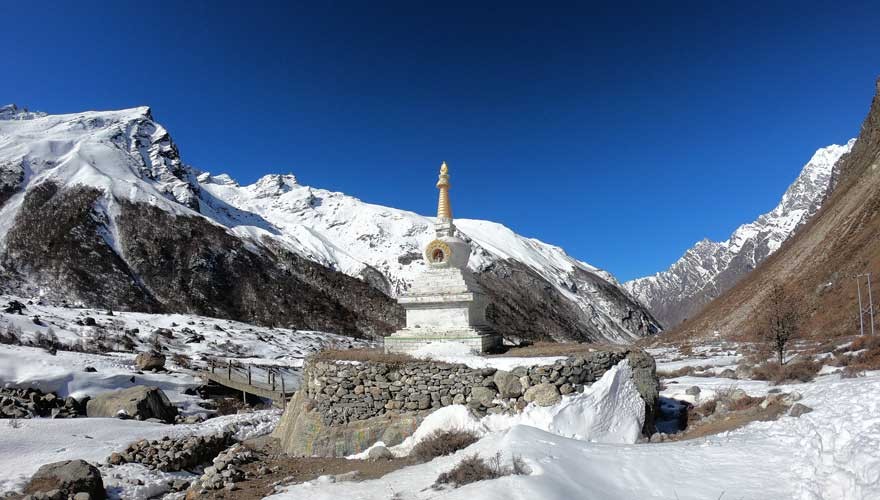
473, 469
14, 423
801, 371
441, 443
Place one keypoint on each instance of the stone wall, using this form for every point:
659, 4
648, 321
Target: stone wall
344, 407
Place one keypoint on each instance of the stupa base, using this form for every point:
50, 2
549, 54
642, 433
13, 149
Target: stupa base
476, 340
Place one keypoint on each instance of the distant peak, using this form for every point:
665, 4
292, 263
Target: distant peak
13, 112
274, 184
220, 179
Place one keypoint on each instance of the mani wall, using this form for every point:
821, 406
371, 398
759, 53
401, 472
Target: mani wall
343, 407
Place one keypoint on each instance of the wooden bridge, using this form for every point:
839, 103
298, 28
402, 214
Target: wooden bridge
260, 381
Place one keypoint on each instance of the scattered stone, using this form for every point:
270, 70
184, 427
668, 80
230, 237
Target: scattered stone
89, 321
14, 307
135, 402
226, 470
692, 391
149, 361
799, 409
30, 402
738, 395
90, 369
164, 332
170, 455
792, 397
728, 373
69, 478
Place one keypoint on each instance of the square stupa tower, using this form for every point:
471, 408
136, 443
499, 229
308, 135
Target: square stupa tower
445, 303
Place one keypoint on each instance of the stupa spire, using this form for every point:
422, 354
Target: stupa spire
444, 208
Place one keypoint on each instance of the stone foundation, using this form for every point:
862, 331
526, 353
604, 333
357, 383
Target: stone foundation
343, 407
410, 340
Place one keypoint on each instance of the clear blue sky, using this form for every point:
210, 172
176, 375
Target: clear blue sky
622, 133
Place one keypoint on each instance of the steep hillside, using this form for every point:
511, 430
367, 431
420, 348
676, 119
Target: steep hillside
818, 263
710, 268
98, 208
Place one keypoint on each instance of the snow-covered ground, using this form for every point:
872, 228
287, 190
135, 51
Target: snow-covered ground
586, 447
830, 453
40, 441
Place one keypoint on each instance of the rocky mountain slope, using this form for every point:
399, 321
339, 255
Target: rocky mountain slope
98, 208
818, 263
710, 268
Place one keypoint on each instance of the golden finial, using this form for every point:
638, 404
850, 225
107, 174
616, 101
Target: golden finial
444, 208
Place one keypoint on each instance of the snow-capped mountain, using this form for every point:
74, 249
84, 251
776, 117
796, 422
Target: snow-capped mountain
99, 208
710, 268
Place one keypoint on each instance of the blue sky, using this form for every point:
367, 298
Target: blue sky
622, 132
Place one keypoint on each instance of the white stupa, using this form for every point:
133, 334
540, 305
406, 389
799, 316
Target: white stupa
445, 303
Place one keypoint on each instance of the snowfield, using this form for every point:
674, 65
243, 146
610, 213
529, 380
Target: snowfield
831, 453
587, 446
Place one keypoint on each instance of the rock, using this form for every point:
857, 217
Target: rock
115, 459
82, 496
744, 372
544, 394
90, 369
89, 321
348, 476
380, 453
139, 401
738, 395
799, 409
69, 477
165, 332
508, 384
692, 391
14, 307
728, 373
149, 361
483, 396
792, 397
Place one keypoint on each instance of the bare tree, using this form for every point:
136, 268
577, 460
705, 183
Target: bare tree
779, 320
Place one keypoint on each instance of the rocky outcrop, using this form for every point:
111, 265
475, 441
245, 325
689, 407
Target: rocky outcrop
140, 402
69, 478
343, 408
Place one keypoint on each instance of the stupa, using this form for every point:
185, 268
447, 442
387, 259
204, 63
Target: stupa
445, 303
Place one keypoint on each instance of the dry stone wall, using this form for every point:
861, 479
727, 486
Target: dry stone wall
343, 407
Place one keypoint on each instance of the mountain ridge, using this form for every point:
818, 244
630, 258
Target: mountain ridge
709, 268
275, 224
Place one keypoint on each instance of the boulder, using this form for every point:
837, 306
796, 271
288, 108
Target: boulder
692, 391
508, 384
149, 361
545, 394
135, 402
379, 452
799, 409
483, 396
70, 477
